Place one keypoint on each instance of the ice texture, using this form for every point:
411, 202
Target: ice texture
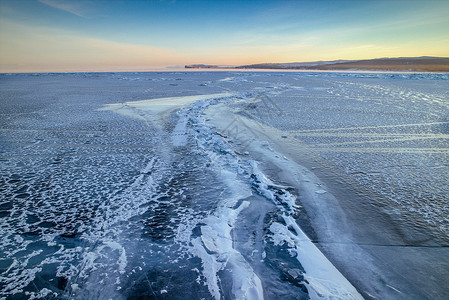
234, 185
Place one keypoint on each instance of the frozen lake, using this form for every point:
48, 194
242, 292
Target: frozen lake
224, 185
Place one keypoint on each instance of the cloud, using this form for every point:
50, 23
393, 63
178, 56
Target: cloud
78, 8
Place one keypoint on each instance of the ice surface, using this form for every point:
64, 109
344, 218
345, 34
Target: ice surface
158, 105
324, 281
241, 185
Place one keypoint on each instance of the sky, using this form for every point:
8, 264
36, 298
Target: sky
127, 35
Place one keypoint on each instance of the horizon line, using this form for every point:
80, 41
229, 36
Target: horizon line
216, 67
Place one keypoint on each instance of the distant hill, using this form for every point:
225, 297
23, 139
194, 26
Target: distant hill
292, 65
425, 63
414, 64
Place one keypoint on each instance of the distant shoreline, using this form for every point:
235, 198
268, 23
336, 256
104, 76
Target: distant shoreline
402, 64
384, 65
226, 70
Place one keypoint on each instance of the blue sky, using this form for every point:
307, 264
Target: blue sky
66, 35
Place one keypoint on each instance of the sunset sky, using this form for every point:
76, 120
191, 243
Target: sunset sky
65, 35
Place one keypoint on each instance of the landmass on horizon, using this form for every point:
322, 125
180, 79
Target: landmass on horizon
423, 64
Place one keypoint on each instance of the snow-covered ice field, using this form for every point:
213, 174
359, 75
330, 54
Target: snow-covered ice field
224, 185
